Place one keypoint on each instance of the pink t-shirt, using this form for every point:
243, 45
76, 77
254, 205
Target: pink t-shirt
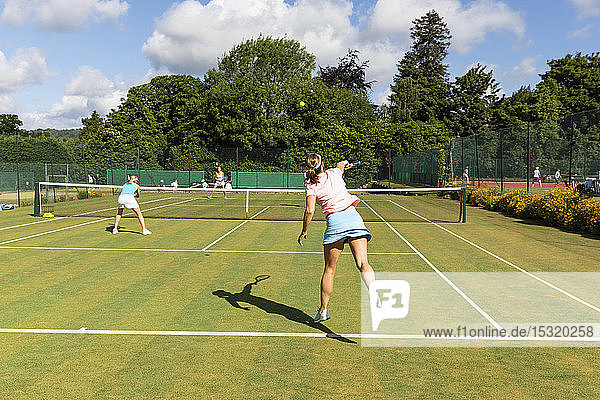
331, 192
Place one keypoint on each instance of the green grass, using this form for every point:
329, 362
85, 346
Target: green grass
143, 290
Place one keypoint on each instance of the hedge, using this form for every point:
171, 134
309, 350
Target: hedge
560, 207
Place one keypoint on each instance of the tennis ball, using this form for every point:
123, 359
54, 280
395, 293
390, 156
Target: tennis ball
302, 104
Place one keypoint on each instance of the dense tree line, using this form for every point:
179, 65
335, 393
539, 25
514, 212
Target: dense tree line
263, 94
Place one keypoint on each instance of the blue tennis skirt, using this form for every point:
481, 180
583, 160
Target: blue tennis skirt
344, 225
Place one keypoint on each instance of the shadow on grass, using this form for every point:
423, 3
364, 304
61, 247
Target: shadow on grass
273, 307
121, 229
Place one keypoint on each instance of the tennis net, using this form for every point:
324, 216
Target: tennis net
392, 205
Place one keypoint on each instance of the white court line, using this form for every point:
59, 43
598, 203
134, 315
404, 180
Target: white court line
85, 331
444, 277
504, 261
82, 224
71, 216
238, 226
184, 250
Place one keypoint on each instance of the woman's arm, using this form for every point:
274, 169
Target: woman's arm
137, 190
309, 211
342, 165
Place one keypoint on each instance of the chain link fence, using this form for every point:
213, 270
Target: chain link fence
508, 157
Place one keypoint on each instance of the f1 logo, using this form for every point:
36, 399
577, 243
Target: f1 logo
388, 300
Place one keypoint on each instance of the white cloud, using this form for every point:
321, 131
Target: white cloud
526, 71
26, 67
587, 8
190, 36
8, 105
488, 66
89, 90
581, 33
526, 67
468, 24
61, 15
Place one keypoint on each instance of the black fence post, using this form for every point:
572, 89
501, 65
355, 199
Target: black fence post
528, 158
477, 160
462, 156
390, 167
501, 162
237, 167
138, 162
18, 160
571, 151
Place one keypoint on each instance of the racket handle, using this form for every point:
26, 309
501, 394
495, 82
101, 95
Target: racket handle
352, 165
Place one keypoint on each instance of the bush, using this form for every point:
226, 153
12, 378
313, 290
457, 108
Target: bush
560, 207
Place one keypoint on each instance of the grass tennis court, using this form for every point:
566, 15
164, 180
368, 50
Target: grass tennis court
179, 314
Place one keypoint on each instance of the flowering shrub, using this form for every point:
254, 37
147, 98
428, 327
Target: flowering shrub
561, 207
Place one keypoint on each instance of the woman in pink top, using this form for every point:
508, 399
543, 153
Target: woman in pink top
344, 224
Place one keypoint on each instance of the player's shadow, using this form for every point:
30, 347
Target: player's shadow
121, 229
273, 307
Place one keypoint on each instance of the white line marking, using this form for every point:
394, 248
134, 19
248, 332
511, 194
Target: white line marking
185, 250
504, 261
231, 231
444, 277
86, 331
71, 216
82, 224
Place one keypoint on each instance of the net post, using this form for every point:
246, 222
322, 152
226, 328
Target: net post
247, 201
463, 205
37, 206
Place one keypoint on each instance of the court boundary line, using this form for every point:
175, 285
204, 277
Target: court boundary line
72, 216
531, 275
232, 230
186, 250
82, 224
86, 331
440, 273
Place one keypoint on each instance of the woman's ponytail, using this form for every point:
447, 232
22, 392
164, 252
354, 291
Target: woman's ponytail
315, 167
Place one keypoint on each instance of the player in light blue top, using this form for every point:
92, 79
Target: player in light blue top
129, 192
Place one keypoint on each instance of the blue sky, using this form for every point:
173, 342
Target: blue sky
62, 59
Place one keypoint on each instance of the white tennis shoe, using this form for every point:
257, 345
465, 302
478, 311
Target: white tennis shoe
322, 315
146, 232
115, 231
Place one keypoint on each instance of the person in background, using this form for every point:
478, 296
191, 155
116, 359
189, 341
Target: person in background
557, 177
537, 176
219, 181
466, 176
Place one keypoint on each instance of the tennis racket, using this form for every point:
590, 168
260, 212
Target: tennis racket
260, 278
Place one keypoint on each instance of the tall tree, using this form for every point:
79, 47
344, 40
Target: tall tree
474, 96
420, 89
576, 79
350, 73
9, 124
93, 129
252, 89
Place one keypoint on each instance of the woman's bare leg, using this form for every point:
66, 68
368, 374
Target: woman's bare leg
332, 253
118, 218
359, 251
140, 218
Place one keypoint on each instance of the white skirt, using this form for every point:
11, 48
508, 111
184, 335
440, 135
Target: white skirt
127, 200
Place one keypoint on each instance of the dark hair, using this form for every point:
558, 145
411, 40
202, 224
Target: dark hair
315, 167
